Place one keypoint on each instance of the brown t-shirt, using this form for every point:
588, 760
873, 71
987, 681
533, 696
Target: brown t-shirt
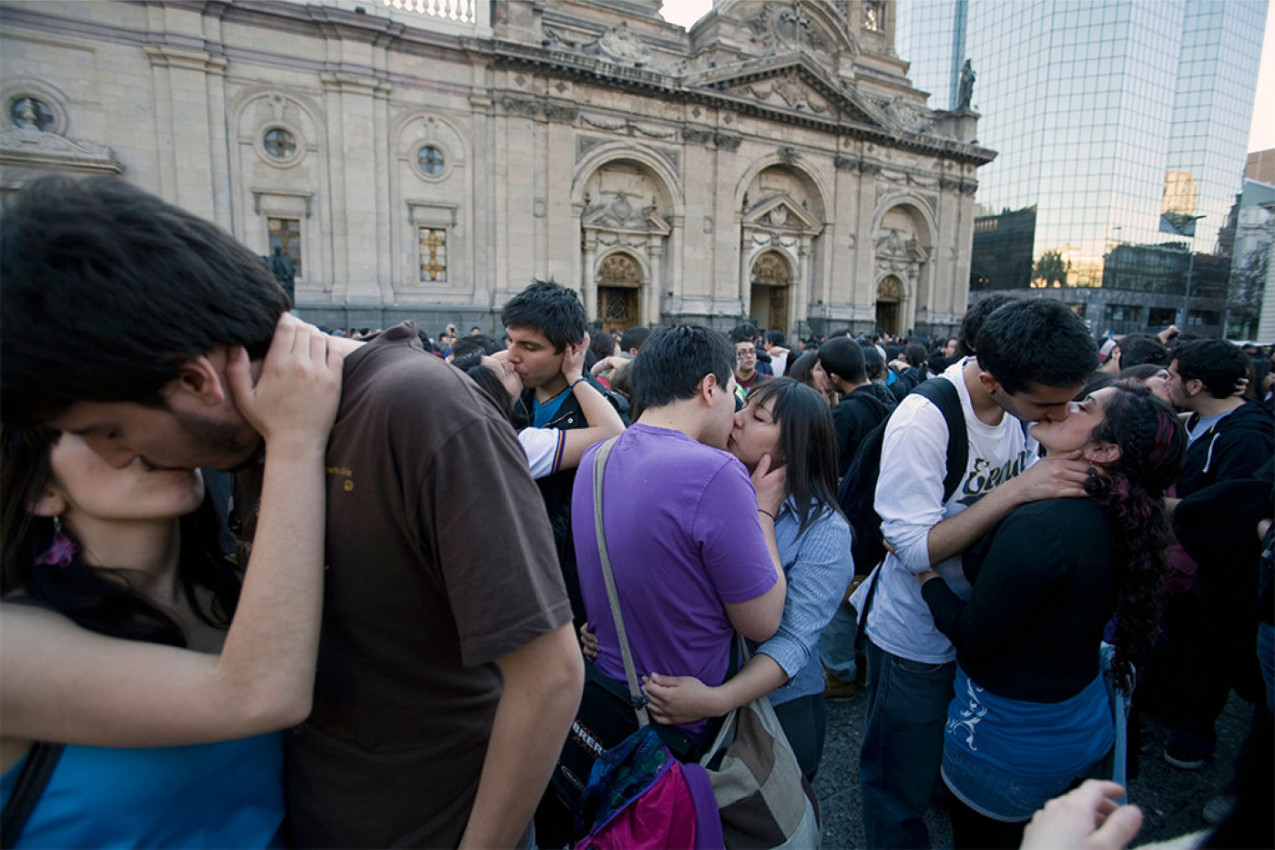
440, 561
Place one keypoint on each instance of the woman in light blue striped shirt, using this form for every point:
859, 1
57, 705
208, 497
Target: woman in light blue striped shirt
792, 424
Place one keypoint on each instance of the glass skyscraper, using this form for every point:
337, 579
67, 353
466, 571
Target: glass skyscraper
1121, 125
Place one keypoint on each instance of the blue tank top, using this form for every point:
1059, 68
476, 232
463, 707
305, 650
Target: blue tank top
228, 794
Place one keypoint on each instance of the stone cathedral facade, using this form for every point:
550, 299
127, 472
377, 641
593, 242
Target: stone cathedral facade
427, 159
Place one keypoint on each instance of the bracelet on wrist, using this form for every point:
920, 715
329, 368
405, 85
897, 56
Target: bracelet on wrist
580, 380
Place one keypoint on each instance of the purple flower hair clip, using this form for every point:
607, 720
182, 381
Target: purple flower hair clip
62, 550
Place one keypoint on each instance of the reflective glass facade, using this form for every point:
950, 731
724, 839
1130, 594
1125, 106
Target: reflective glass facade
1121, 122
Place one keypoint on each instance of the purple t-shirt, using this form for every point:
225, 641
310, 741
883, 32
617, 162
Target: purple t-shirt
683, 534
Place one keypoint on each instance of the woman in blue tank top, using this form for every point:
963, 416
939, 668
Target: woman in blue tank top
117, 637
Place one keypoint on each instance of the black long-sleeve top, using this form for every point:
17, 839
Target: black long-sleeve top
1043, 593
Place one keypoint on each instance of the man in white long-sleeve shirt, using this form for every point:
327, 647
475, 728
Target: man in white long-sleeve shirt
1032, 358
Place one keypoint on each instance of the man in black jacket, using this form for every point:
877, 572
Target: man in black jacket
1231, 438
541, 321
861, 409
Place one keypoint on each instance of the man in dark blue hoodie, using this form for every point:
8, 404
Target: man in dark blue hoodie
1230, 438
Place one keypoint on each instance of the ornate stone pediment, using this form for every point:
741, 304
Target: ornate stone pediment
28, 147
781, 213
623, 212
788, 91
908, 116
793, 84
900, 247
618, 44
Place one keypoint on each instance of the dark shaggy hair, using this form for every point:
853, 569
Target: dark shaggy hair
807, 445
1152, 445
671, 364
1216, 362
972, 322
1025, 343
1136, 349
479, 343
634, 338
107, 291
100, 599
492, 387
802, 369
550, 309
602, 346
1140, 372
843, 357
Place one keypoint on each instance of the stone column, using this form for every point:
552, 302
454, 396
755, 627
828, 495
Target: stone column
356, 209
588, 282
187, 84
799, 298
651, 305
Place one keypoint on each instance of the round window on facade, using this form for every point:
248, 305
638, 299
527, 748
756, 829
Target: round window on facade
29, 112
431, 160
279, 144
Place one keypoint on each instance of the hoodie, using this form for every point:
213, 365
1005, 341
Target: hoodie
1235, 447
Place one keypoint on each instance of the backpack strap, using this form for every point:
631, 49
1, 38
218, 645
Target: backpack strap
944, 396
31, 782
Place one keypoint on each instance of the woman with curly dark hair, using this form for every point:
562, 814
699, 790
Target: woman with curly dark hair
1031, 714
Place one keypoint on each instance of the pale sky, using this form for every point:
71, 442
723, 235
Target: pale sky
1261, 134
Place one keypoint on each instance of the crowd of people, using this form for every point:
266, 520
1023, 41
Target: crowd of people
315, 588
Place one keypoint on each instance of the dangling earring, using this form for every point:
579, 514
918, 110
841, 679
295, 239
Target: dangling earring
1093, 483
62, 550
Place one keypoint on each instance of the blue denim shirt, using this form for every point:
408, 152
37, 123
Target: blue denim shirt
818, 567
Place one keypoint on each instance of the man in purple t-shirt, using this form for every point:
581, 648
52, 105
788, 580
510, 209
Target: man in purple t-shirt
694, 558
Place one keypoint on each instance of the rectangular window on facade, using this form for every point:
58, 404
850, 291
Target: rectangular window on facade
285, 233
433, 254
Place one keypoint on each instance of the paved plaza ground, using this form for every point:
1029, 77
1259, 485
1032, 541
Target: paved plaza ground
1171, 799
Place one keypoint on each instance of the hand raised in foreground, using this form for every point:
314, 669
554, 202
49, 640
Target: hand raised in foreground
1087, 818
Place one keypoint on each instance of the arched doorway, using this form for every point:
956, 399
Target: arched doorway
619, 282
889, 294
770, 279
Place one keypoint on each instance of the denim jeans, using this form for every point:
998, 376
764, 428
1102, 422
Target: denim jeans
836, 643
902, 746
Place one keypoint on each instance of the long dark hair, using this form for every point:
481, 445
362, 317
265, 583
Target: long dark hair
1152, 445
100, 599
807, 444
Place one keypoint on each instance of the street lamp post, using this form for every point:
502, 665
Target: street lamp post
1190, 272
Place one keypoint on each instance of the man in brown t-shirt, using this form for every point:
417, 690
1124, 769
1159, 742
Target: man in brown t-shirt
441, 580
448, 673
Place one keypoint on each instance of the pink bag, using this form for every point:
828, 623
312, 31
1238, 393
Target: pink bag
663, 816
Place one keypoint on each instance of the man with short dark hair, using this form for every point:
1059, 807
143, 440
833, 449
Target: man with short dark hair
1230, 438
747, 375
692, 562
447, 651
860, 410
633, 339
541, 322
1033, 357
